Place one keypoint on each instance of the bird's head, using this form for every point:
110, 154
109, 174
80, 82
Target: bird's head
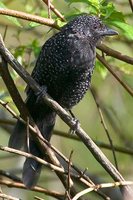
90, 27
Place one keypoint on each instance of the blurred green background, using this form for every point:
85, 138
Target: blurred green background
117, 105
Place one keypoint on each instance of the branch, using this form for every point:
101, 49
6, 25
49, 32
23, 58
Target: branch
97, 153
101, 144
28, 155
29, 17
104, 124
58, 14
131, 4
102, 185
54, 194
10, 176
108, 66
115, 54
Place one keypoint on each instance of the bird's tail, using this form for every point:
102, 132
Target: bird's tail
45, 120
18, 137
32, 169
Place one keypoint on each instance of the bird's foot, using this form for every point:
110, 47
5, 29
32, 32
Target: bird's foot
41, 93
73, 129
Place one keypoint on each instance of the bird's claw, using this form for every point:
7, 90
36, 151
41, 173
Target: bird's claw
73, 129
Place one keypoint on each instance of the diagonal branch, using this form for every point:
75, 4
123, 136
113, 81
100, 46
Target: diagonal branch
104, 124
54, 10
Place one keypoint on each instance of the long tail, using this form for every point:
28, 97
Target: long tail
45, 120
32, 169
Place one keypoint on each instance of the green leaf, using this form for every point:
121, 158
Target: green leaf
77, 1
107, 10
19, 51
60, 23
95, 4
127, 30
14, 20
116, 16
35, 46
101, 69
126, 68
33, 24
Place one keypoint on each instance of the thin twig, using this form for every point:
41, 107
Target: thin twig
5, 32
58, 14
69, 174
38, 198
28, 155
7, 121
128, 151
49, 11
10, 175
104, 124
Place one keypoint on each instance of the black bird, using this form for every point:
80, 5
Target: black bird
64, 68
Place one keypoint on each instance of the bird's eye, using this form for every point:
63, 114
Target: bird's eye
95, 26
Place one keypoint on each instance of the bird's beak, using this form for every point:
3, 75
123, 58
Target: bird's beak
109, 32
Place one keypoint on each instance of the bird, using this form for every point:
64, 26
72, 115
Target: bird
63, 69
